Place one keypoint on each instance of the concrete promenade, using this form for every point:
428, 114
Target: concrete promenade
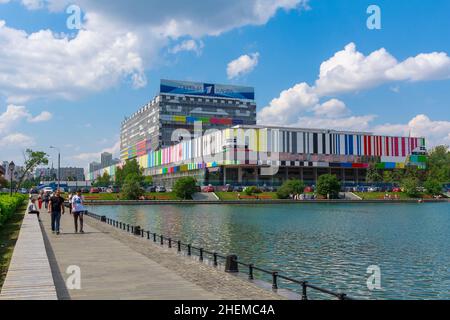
116, 265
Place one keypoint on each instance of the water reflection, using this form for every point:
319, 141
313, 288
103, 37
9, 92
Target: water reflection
327, 244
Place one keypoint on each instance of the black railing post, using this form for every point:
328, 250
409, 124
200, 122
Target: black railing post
142, 233
128, 228
304, 286
215, 259
231, 264
189, 249
154, 237
342, 296
250, 271
201, 254
148, 234
274, 280
170, 242
162, 239
179, 245
132, 229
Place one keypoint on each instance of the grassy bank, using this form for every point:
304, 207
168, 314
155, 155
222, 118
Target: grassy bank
117, 196
380, 195
12, 216
234, 195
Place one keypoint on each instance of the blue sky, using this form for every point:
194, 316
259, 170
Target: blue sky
72, 88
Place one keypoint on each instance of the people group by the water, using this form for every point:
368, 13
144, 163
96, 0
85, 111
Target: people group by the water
54, 204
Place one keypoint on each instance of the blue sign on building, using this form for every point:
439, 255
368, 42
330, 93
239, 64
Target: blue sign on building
207, 89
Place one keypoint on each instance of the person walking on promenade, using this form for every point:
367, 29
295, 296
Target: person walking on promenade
78, 210
56, 208
32, 208
70, 202
40, 201
46, 199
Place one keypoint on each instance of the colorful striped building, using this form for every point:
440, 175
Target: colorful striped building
263, 155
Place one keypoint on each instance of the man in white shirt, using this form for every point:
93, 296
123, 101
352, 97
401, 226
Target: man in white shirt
78, 210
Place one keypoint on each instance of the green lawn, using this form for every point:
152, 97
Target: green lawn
116, 196
380, 195
9, 233
233, 195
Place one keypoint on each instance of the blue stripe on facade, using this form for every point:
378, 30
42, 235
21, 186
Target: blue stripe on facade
350, 144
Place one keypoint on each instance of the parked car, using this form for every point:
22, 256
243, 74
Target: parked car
396, 189
150, 189
113, 189
308, 189
160, 189
84, 190
208, 188
238, 189
372, 189
227, 188
48, 189
94, 190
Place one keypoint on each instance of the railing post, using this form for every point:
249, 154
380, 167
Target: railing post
170, 242
231, 264
304, 286
142, 233
128, 228
162, 239
148, 234
154, 237
342, 296
274, 280
179, 245
132, 229
189, 249
201, 254
215, 259
250, 271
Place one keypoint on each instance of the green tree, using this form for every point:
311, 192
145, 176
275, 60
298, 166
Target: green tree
373, 176
292, 186
131, 167
33, 159
438, 164
131, 188
147, 181
410, 185
328, 185
388, 177
433, 186
103, 181
185, 187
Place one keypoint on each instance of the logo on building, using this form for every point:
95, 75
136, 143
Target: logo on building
208, 89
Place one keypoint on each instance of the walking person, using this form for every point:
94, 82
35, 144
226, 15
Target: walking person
78, 210
56, 208
32, 209
46, 199
40, 201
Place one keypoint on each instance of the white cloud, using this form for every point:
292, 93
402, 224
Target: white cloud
188, 45
436, 132
118, 42
242, 65
43, 116
16, 140
332, 108
83, 159
289, 105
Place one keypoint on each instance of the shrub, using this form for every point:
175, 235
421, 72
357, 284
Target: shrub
293, 186
252, 190
328, 185
410, 186
9, 205
185, 187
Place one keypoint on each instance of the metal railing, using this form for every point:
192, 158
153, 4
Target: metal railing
214, 256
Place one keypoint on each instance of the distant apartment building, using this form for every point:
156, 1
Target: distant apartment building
106, 159
170, 117
67, 173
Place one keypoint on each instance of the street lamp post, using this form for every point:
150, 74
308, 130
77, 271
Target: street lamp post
11, 168
59, 164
